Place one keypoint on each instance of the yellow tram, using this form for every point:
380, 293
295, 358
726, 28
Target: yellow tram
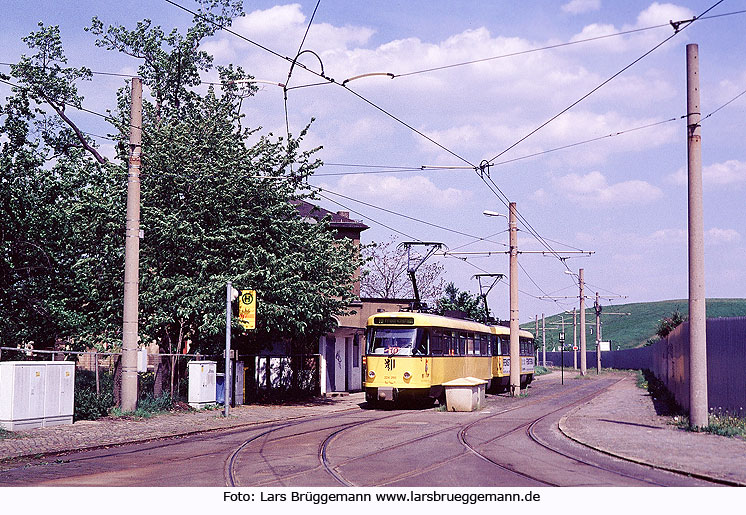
410, 355
501, 358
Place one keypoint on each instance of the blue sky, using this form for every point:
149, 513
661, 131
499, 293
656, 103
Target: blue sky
623, 197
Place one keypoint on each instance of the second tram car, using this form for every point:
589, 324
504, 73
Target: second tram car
501, 358
410, 355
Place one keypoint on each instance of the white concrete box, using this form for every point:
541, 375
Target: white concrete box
36, 394
202, 383
465, 394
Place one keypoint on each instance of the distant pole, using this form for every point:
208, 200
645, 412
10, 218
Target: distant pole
536, 334
132, 255
515, 358
574, 338
698, 416
543, 340
583, 368
597, 306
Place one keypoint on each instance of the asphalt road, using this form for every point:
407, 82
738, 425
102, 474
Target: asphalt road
512, 442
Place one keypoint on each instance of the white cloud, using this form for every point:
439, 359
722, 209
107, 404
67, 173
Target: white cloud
581, 6
725, 174
669, 236
658, 14
655, 14
286, 25
728, 173
395, 190
717, 236
593, 189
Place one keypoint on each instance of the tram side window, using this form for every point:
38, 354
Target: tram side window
494, 351
504, 346
526, 347
461, 344
436, 342
484, 344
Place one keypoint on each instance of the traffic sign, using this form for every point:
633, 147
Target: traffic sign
247, 309
574, 347
562, 337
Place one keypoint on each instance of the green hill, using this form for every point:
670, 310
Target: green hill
633, 330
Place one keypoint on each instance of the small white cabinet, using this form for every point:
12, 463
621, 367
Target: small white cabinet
36, 394
202, 383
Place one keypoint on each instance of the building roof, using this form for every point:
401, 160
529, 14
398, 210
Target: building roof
338, 220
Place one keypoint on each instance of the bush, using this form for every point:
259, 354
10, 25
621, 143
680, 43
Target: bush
88, 405
150, 404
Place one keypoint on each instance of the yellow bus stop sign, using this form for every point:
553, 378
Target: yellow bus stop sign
247, 309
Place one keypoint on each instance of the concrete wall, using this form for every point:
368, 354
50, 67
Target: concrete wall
668, 359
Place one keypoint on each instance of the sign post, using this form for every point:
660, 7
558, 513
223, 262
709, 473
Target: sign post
562, 355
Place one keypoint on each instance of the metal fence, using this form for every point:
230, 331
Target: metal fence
262, 378
163, 373
668, 360
274, 378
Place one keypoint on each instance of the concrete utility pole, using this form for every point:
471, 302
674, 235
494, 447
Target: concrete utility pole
543, 341
698, 416
597, 306
574, 339
229, 297
515, 358
583, 368
132, 255
536, 335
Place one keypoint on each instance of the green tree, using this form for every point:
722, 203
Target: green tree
215, 207
60, 213
456, 300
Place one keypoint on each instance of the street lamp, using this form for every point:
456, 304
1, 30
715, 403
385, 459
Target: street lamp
515, 358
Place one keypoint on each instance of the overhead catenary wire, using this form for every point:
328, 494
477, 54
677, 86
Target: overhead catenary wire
604, 83
437, 226
555, 46
422, 168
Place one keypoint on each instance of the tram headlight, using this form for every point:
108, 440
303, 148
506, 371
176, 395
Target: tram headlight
371, 374
407, 376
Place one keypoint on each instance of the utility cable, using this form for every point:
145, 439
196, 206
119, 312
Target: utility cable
678, 29
559, 45
407, 216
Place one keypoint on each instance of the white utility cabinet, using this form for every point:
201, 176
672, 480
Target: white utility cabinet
202, 387
36, 394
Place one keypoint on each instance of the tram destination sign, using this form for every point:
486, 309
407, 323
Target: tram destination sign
393, 321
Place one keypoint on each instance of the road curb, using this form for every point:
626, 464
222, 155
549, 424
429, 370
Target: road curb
609, 452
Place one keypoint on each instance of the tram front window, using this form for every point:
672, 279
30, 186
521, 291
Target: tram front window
395, 341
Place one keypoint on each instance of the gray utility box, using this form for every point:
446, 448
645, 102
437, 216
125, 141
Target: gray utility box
465, 394
202, 383
36, 394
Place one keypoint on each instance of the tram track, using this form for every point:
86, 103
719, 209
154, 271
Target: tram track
341, 476
460, 428
230, 462
530, 430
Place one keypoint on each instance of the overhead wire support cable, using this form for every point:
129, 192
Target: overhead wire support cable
329, 79
602, 84
561, 45
405, 216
